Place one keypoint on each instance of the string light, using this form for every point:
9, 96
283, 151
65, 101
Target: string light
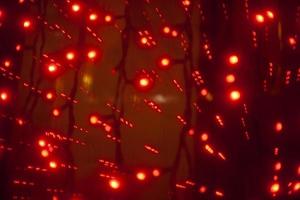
53, 164
114, 184
233, 59
235, 95
259, 18
141, 176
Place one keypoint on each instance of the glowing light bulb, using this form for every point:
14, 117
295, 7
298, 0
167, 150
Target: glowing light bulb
204, 92
202, 189
70, 55
53, 164
93, 17
7, 63
164, 62
235, 95
144, 40
174, 33
144, 82
76, 7
278, 127
259, 18
55, 112
270, 14
275, 187
204, 137
292, 41
166, 30
42, 143
141, 176
92, 54
50, 95
230, 78
44, 153
3, 96
52, 68
233, 59
108, 18
156, 172
114, 184
27, 24
94, 119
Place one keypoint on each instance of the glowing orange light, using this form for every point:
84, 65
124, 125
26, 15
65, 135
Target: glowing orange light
259, 18
298, 170
278, 126
277, 166
70, 55
52, 164
292, 41
166, 30
108, 18
56, 112
76, 7
204, 137
20, 121
191, 132
156, 172
42, 143
174, 33
3, 96
93, 16
233, 59
18, 47
44, 153
144, 82
274, 188
204, 92
141, 176
219, 193
209, 149
7, 63
235, 95
94, 119
52, 68
144, 40
92, 54
270, 14
230, 78
26, 24
114, 184
296, 186
202, 189
107, 128
186, 2
164, 62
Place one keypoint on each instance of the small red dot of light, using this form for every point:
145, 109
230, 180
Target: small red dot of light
18, 47
166, 30
202, 189
94, 119
259, 18
144, 82
55, 112
235, 95
191, 132
44, 153
141, 176
278, 126
76, 7
52, 164
204, 92
156, 172
50, 95
52, 68
42, 143
7, 63
164, 62
93, 16
3, 96
108, 18
20, 122
277, 166
92, 54
70, 55
292, 41
270, 14
275, 188
107, 128
204, 137
26, 24
233, 59
230, 78
144, 40
174, 33
114, 184
296, 186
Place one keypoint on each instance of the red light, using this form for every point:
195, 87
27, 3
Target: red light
108, 18
143, 82
4, 96
44, 153
202, 189
70, 55
259, 18
26, 24
156, 172
191, 132
292, 41
42, 143
55, 112
164, 62
52, 68
92, 54
94, 119
166, 29
93, 17
270, 14
235, 95
141, 176
50, 95
174, 33
144, 40
18, 47
7, 63
114, 184
278, 127
52, 164
296, 186
274, 188
204, 137
76, 7
204, 92
277, 166
230, 78
233, 59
